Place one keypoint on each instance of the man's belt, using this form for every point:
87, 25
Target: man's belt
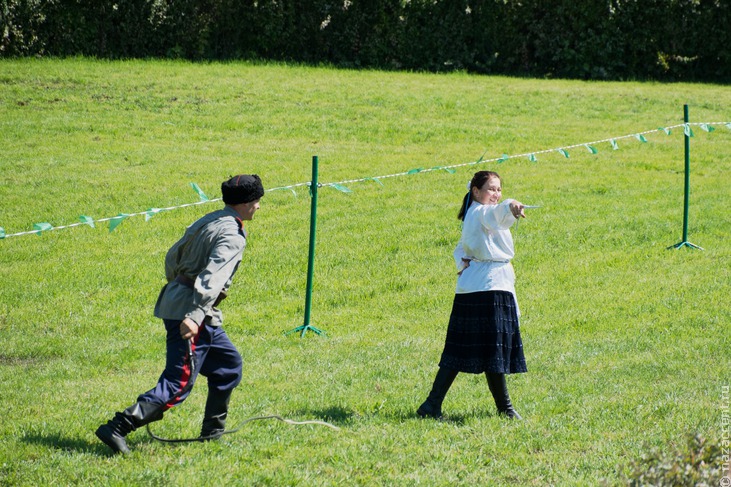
190, 283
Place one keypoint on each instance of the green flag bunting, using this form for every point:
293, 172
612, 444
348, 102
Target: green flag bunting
283, 188
41, 227
114, 222
200, 192
87, 220
374, 179
340, 187
151, 212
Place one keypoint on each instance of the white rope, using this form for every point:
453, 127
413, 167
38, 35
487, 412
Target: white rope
705, 125
544, 151
290, 421
229, 432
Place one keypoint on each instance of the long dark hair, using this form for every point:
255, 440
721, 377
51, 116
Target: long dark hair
478, 180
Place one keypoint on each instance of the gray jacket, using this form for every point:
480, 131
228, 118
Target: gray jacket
200, 266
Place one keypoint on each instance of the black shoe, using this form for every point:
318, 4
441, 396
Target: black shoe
112, 438
499, 389
432, 407
510, 413
214, 418
139, 414
210, 435
427, 410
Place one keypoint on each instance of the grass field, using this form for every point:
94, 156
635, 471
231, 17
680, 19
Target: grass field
627, 342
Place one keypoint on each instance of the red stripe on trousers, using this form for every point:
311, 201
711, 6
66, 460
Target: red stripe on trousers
184, 379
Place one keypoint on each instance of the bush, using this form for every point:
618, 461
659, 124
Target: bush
699, 464
602, 39
20, 22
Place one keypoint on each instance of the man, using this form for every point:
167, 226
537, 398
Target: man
199, 269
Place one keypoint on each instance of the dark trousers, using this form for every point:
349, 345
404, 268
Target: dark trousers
215, 358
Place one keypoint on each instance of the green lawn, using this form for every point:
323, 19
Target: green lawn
626, 342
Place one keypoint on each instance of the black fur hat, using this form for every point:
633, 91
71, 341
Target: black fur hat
243, 188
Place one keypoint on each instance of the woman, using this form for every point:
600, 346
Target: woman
483, 333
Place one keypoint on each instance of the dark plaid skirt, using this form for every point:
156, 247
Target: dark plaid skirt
483, 334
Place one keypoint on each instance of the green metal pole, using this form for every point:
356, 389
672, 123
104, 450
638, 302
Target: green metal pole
311, 259
686, 200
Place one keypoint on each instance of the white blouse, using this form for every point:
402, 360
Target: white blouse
486, 241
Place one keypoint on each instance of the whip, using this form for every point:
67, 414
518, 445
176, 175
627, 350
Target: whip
189, 385
228, 432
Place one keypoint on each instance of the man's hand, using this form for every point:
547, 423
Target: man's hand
188, 329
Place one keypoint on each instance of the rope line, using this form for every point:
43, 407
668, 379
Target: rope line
707, 126
526, 154
228, 432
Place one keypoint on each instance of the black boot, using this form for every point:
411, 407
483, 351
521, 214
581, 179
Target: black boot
499, 389
113, 432
432, 407
214, 419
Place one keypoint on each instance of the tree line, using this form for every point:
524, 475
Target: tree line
594, 39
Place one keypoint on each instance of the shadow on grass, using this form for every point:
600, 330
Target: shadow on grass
455, 418
58, 441
345, 416
336, 415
